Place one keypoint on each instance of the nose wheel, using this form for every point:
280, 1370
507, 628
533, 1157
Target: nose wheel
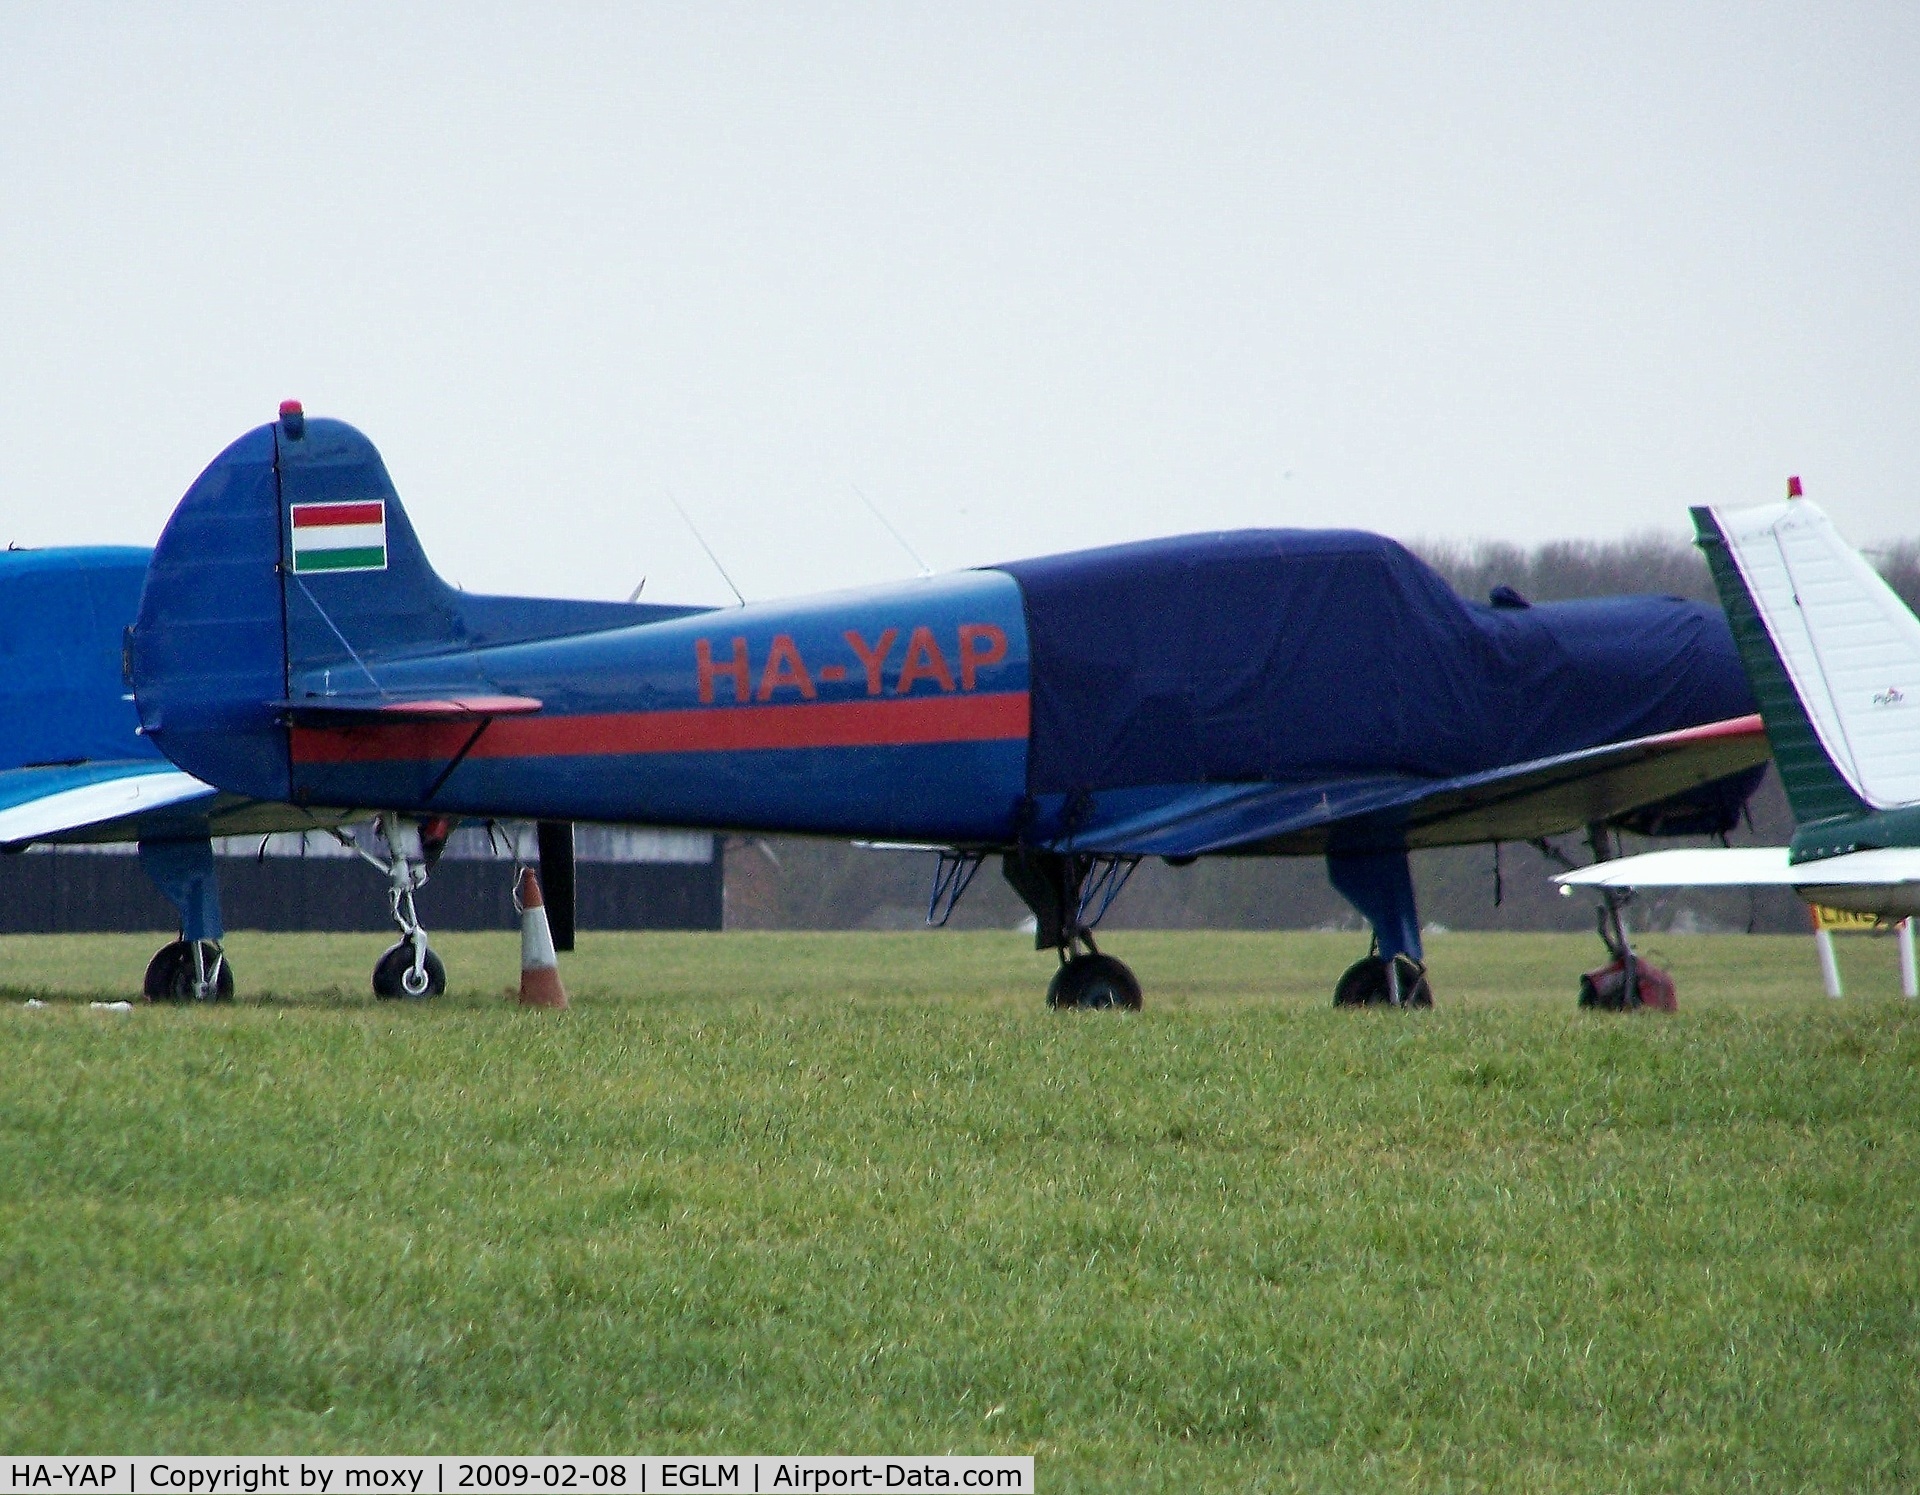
1374, 982
1094, 982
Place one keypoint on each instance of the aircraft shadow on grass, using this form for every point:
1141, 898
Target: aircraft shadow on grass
1252, 693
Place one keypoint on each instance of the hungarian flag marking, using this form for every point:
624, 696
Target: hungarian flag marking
341, 536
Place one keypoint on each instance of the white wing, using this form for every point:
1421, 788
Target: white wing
139, 790
1748, 867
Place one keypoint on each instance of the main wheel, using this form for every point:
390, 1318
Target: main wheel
170, 973
1364, 984
393, 977
1606, 988
1094, 981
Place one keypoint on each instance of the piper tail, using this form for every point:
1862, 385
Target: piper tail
1833, 654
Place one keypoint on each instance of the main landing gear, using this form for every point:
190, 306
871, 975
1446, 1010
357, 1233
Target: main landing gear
409, 970
1069, 894
1373, 981
189, 971
1393, 973
1627, 982
194, 968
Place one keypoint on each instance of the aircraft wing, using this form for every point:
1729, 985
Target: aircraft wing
126, 799
1748, 867
1518, 802
58, 800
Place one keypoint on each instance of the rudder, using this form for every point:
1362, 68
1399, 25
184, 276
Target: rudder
1832, 652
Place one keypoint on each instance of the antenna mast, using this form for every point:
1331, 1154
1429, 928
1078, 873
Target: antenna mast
914, 555
694, 530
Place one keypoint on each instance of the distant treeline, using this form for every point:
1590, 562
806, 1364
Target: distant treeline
1656, 563
1561, 570
787, 883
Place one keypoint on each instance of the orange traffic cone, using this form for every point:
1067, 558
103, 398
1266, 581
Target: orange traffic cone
539, 967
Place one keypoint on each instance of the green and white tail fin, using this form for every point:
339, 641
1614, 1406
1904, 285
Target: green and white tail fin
1832, 652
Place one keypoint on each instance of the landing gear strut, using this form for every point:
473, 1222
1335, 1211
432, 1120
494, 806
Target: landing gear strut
1393, 972
409, 969
1627, 982
194, 968
1069, 894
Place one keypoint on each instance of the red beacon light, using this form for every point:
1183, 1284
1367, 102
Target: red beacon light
1793, 488
293, 418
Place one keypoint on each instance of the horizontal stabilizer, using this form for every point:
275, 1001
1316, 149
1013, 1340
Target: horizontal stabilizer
1748, 867
36, 803
347, 711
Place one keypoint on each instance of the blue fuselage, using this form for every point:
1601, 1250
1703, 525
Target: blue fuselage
897, 712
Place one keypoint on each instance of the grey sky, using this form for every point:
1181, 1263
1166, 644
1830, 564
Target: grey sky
1032, 277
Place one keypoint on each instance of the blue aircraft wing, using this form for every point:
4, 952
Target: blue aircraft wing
1684, 775
336, 711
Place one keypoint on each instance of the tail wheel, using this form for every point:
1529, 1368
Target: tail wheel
394, 978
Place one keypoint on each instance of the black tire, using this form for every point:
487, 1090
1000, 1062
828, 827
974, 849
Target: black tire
170, 974
158, 985
1094, 982
1364, 984
391, 971
1415, 989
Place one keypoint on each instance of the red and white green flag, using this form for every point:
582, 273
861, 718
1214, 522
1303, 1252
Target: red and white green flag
340, 537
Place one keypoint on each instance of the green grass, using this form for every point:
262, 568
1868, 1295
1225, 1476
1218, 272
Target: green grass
834, 1193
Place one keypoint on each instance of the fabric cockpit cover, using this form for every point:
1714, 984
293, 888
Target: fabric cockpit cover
1296, 655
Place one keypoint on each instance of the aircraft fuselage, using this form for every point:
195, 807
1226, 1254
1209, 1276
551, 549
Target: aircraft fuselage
899, 712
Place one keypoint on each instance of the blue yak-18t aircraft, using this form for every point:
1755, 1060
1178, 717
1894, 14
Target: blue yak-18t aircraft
1274, 692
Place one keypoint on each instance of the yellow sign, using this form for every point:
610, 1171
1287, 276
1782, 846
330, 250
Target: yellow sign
1841, 919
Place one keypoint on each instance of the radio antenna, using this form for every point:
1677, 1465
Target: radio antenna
887, 524
694, 530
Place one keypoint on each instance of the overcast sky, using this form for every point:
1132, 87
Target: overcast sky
1029, 277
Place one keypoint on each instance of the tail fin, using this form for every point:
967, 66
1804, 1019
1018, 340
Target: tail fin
290, 544
290, 570
1832, 653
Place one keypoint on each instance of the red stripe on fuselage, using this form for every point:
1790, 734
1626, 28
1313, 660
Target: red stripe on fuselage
998, 717
311, 516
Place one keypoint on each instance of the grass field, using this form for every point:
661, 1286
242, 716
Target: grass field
819, 1193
